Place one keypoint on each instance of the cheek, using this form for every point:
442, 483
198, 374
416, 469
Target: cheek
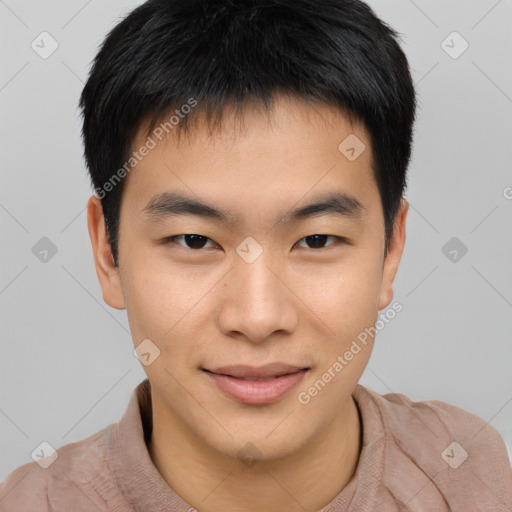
152, 301
165, 304
345, 296
348, 306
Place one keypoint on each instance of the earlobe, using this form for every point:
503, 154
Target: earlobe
392, 261
106, 270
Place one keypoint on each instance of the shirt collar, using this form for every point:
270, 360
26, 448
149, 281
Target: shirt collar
145, 488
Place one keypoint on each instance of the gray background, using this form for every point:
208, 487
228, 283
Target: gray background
66, 366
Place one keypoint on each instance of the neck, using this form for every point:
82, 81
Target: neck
306, 480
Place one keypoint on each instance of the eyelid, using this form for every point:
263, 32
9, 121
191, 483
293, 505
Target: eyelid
338, 240
171, 239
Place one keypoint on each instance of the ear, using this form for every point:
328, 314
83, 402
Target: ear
396, 248
107, 272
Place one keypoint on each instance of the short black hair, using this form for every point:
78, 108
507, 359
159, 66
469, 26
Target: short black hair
167, 54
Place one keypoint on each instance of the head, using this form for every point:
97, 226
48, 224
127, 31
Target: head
279, 133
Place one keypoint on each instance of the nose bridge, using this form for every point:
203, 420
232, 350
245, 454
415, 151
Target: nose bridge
257, 283
257, 302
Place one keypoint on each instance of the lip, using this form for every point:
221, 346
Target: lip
257, 392
262, 372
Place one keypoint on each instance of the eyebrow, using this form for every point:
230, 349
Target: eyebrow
171, 204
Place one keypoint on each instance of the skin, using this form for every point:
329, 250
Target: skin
296, 303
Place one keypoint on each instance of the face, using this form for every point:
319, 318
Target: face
255, 279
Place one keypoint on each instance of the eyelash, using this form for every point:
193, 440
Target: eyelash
172, 239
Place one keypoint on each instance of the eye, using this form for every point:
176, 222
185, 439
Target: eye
197, 242
319, 241
194, 242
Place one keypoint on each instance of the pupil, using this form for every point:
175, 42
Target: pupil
316, 241
195, 241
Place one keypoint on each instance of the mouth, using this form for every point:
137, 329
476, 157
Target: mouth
257, 379
256, 386
267, 372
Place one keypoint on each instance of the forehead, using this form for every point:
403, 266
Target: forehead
293, 150
234, 122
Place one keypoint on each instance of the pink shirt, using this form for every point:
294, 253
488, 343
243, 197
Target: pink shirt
413, 459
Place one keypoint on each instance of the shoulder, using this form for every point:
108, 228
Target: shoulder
25, 488
461, 453
68, 477
439, 419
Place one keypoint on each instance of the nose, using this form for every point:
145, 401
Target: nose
256, 302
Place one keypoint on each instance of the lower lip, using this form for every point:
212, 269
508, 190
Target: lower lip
254, 392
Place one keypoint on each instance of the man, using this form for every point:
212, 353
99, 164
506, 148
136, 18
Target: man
249, 162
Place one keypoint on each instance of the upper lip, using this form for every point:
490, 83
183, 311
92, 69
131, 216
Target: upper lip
261, 372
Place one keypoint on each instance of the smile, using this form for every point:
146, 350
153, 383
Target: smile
256, 390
